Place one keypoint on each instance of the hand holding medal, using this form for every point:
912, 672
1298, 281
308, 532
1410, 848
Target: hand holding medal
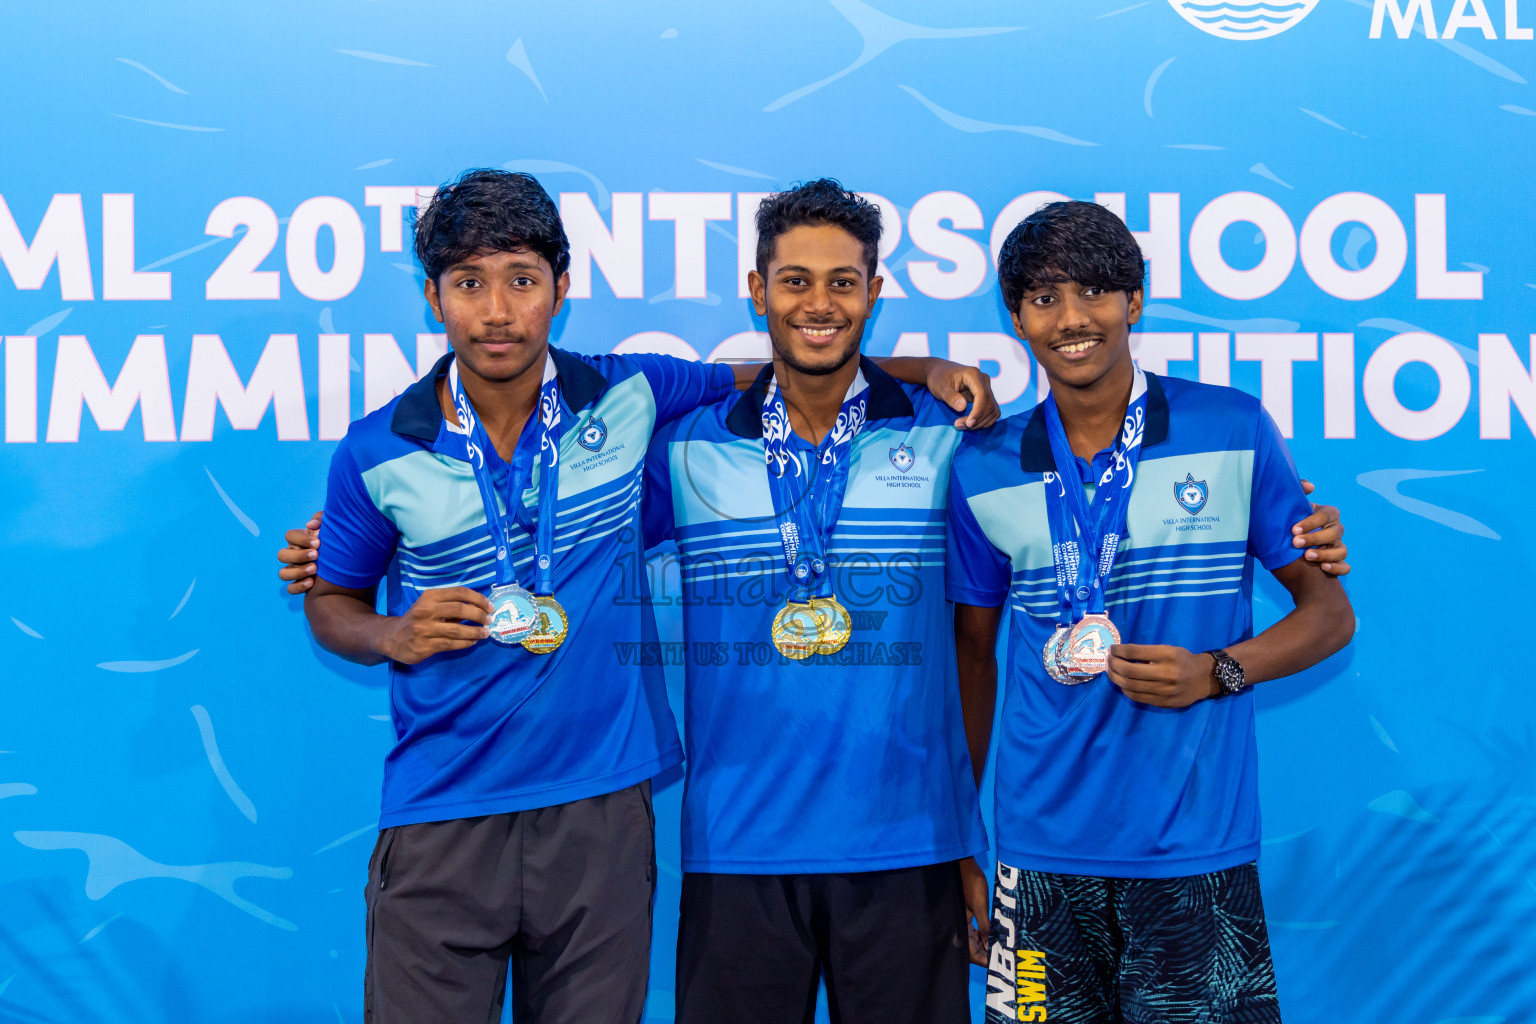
447, 619
1084, 540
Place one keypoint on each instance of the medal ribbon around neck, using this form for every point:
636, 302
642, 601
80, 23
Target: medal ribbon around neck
1066, 556
805, 531
548, 459
1099, 527
536, 621
1065, 552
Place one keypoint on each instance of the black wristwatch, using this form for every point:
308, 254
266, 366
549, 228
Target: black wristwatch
1228, 673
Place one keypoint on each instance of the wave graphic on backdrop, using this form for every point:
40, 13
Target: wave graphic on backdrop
216, 762
1237, 20
960, 122
533, 166
48, 323
147, 666
245, 520
1163, 311
27, 629
1385, 483
113, 863
518, 58
880, 32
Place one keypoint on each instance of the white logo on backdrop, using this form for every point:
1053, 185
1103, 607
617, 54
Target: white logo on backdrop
1235, 19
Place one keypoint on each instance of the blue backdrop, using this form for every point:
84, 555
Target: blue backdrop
1336, 202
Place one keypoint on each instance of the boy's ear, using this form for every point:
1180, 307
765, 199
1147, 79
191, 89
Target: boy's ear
1133, 310
562, 285
433, 299
757, 287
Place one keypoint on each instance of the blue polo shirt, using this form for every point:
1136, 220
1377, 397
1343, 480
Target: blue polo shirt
492, 728
854, 762
1090, 782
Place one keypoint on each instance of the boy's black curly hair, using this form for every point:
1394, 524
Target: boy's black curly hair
1071, 241
487, 210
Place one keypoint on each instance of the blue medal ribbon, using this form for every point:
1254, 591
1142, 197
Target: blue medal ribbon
519, 478
1065, 552
806, 519
1084, 537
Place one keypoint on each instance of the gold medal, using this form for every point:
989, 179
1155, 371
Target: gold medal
796, 631
836, 627
552, 625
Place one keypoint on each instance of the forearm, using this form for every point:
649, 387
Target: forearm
909, 369
978, 702
1320, 625
347, 627
976, 658
746, 373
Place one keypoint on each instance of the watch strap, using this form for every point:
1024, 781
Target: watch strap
1228, 673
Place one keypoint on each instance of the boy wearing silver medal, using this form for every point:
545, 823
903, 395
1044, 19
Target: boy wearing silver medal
1127, 806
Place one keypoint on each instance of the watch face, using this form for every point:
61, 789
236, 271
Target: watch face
1230, 674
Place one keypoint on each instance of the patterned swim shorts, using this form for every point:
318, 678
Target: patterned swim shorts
1071, 949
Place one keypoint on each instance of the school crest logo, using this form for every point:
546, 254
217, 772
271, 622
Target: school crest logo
593, 435
1191, 494
903, 458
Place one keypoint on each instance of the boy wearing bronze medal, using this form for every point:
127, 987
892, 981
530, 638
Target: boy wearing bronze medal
1117, 526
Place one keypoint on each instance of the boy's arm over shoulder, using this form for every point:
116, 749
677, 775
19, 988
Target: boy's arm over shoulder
957, 386
680, 385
